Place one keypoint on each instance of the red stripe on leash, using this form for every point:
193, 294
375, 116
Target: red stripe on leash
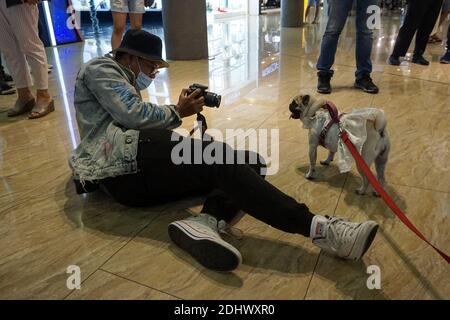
387, 199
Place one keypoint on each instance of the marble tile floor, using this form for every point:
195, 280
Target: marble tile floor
125, 253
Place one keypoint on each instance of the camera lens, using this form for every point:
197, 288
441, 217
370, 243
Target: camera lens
212, 99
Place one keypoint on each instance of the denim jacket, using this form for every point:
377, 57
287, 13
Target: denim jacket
110, 112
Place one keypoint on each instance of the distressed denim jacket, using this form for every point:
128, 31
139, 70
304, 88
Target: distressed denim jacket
110, 112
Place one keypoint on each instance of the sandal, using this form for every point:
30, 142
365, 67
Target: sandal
40, 111
434, 39
21, 108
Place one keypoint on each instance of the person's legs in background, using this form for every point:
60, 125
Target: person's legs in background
434, 38
17, 64
120, 9
120, 20
316, 14
136, 20
364, 39
21, 46
311, 4
33, 48
137, 10
308, 8
414, 16
339, 10
424, 31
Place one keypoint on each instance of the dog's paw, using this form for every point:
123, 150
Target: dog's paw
310, 175
325, 162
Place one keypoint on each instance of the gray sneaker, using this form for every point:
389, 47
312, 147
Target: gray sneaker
199, 236
347, 240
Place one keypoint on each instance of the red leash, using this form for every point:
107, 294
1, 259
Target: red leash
387, 199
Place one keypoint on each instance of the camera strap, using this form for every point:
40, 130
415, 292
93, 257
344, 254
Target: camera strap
201, 125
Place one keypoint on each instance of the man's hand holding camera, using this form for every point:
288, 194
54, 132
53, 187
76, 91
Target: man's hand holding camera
190, 103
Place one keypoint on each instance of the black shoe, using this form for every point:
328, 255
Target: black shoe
323, 84
419, 59
394, 61
366, 84
6, 89
7, 77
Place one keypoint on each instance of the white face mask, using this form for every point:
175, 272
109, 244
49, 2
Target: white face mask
143, 81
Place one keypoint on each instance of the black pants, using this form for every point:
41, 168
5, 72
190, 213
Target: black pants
2, 71
420, 17
230, 187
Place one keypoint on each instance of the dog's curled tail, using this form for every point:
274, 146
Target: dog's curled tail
380, 122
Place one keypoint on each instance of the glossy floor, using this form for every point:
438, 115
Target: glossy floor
125, 253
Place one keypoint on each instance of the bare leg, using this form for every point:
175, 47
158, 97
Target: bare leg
316, 15
120, 20
443, 17
25, 95
136, 20
25, 102
307, 13
43, 96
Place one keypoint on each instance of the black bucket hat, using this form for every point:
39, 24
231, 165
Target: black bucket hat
144, 45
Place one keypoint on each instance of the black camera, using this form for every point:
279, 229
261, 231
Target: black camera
211, 99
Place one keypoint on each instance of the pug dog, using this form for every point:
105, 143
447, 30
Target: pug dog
315, 116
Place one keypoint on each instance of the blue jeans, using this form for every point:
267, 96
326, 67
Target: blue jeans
339, 10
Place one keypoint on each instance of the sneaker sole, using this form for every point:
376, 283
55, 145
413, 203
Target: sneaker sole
365, 90
445, 62
365, 238
214, 255
324, 91
7, 92
420, 64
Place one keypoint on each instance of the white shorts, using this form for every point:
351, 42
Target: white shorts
128, 6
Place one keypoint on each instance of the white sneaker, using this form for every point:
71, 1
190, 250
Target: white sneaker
199, 236
347, 240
